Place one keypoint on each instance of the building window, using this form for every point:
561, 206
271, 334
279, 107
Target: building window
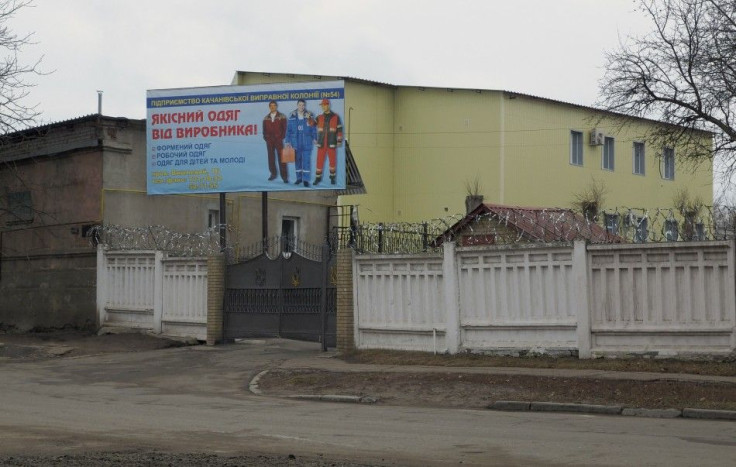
668, 164
576, 148
612, 223
639, 158
639, 225
289, 234
699, 232
20, 208
608, 153
213, 218
671, 232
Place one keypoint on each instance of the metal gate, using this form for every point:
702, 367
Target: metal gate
281, 296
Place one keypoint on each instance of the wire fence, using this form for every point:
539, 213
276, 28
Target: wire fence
497, 226
506, 225
117, 237
206, 243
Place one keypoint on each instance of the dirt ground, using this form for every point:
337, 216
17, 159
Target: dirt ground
147, 459
475, 391
71, 343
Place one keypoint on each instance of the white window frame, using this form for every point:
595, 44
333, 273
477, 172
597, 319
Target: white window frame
576, 143
608, 161
638, 164
668, 169
213, 218
294, 244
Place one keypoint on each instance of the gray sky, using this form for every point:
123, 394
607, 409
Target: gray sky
550, 48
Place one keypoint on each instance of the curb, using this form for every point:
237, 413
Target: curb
336, 398
575, 408
253, 385
710, 414
702, 414
652, 413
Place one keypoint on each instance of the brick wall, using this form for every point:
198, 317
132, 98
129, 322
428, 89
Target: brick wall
345, 338
215, 296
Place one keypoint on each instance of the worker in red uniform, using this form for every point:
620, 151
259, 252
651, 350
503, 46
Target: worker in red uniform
329, 137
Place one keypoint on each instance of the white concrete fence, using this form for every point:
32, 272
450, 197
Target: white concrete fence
664, 299
148, 290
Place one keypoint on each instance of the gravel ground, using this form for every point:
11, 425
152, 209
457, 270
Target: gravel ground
109, 459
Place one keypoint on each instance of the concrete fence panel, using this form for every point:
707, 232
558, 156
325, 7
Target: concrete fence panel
399, 302
128, 298
517, 298
674, 298
185, 297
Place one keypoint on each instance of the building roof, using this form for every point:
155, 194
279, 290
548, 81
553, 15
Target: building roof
312, 77
547, 225
41, 129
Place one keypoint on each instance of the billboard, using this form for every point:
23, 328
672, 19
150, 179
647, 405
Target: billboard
270, 137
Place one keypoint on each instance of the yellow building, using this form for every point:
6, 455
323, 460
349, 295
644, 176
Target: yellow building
419, 149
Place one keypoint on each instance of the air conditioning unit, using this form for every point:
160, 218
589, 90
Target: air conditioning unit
596, 137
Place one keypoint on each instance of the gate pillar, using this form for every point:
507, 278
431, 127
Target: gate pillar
345, 310
215, 298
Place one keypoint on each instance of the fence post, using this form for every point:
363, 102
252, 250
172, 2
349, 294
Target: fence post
380, 237
732, 297
101, 285
451, 299
353, 227
216, 269
158, 291
425, 239
582, 306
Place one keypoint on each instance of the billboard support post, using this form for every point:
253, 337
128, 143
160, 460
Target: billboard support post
264, 219
223, 222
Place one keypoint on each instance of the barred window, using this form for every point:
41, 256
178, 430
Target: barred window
639, 158
608, 144
576, 148
668, 164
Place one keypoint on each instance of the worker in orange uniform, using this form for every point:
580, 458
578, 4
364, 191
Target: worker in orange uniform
329, 137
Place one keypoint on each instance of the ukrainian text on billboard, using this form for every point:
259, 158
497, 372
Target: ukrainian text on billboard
274, 137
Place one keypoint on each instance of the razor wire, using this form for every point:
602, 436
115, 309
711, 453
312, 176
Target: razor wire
206, 243
507, 226
157, 237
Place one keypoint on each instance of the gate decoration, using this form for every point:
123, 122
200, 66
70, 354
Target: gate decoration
281, 297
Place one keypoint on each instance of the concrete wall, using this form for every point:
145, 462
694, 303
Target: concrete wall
47, 267
54, 291
659, 299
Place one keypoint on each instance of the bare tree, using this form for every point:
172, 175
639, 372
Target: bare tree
15, 113
683, 73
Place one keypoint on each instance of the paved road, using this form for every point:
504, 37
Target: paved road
195, 399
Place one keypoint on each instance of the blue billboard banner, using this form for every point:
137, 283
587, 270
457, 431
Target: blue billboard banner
270, 137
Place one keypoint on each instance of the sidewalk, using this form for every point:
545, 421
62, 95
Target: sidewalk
329, 361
